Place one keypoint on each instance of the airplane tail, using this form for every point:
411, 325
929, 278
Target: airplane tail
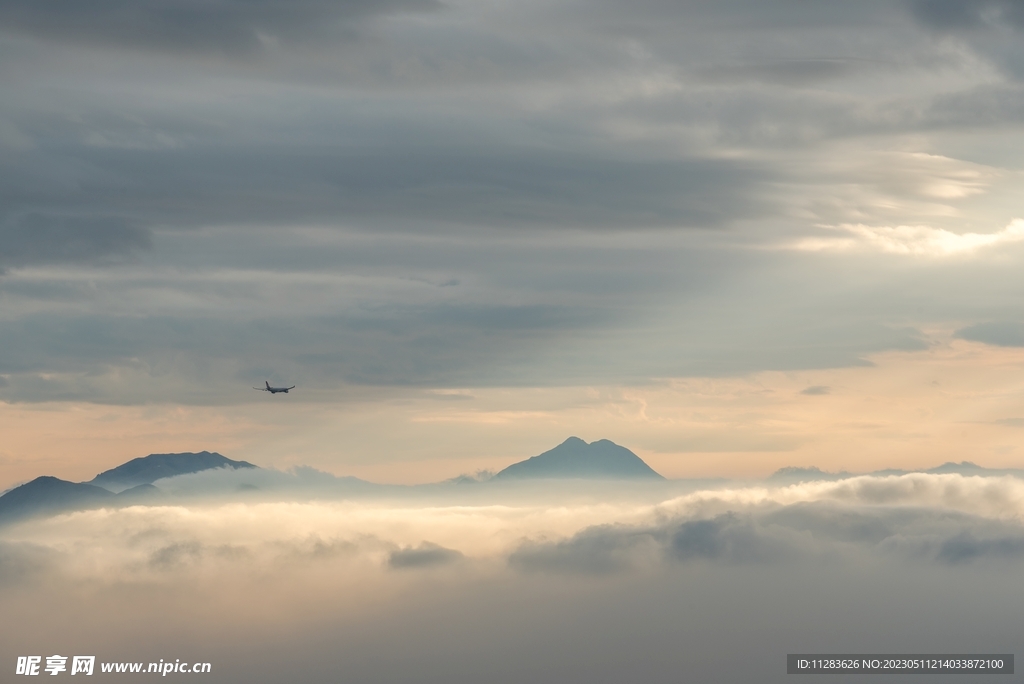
267, 382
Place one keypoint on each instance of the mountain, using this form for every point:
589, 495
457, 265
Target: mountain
965, 468
50, 495
132, 480
794, 474
149, 469
140, 494
574, 458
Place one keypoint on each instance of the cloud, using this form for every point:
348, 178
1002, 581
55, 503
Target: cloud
999, 497
815, 390
724, 538
998, 333
230, 27
913, 240
589, 182
965, 548
263, 589
842, 523
596, 550
728, 538
36, 238
175, 555
426, 555
960, 15
792, 72
447, 180
300, 481
21, 562
436, 345
916, 517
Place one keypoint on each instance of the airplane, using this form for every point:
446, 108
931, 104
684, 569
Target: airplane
274, 390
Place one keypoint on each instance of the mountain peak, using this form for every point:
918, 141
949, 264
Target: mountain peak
574, 458
149, 469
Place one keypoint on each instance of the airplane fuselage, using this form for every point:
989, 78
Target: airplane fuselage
274, 390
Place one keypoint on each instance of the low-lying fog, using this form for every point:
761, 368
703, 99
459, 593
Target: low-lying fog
565, 582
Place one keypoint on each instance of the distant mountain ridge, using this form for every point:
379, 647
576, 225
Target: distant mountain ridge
50, 495
149, 469
965, 468
127, 484
131, 483
574, 458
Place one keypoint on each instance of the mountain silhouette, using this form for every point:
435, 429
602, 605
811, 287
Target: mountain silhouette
149, 469
50, 495
792, 474
132, 482
140, 494
574, 458
966, 468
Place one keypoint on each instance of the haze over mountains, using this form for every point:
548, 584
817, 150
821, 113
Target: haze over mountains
132, 482
574, 460
965, 468
129, 483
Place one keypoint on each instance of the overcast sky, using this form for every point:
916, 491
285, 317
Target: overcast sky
720, 233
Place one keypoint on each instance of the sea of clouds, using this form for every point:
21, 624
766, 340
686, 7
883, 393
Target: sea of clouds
575, 582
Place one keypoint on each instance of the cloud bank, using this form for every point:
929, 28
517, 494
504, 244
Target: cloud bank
554, 590
227, 27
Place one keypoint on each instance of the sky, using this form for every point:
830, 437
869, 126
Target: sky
731, 236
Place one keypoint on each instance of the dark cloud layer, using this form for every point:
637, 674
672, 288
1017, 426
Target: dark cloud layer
969, 14
214, 183
396, 347
222, 26
427, 346
998, 333
426, 555
35, 238
609, 194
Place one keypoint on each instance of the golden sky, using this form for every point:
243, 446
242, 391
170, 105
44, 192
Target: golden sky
956, 400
